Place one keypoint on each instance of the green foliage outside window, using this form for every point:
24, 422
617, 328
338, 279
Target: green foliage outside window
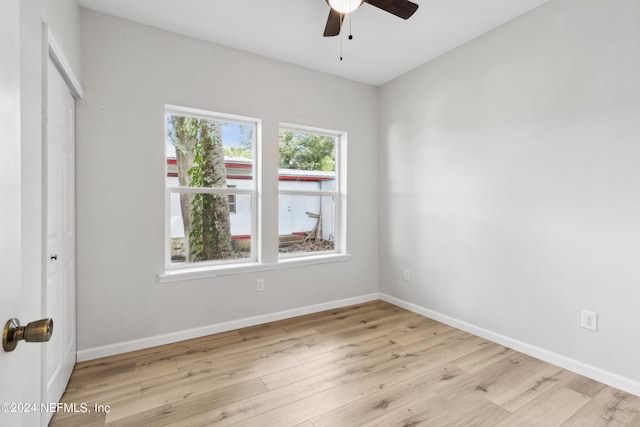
305, 151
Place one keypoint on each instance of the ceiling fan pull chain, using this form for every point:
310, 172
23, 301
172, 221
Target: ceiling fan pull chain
340, 37
350, 35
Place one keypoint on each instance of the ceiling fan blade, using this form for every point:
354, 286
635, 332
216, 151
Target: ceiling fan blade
334, 23
401, 8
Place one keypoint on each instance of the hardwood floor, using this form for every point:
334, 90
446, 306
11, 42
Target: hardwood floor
372, 364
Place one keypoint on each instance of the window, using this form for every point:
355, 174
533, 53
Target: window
212, 196
210, 173
309, 192
232, 200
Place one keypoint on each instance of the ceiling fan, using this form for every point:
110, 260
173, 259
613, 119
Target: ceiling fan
339, 8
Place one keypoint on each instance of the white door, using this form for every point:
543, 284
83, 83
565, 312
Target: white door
285, 215
20, 369
59, 293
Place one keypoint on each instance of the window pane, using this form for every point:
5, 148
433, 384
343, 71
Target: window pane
205, 152
306, 223
213, 234
307, 161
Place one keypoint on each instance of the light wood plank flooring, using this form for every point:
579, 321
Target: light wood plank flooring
372, 364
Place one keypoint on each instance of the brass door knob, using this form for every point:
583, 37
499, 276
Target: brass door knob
38, 331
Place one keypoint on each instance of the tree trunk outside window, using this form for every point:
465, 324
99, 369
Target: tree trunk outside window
200, 161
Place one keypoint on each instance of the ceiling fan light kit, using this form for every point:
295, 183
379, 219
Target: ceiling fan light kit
344, 6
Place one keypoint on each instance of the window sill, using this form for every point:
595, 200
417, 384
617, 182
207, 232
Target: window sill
227, 270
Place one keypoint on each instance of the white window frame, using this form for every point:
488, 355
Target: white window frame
339, 194
252, 192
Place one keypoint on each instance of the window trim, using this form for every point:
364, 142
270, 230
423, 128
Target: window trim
205, 272
253, 192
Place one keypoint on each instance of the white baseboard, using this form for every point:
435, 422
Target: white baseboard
140, 344
606, 377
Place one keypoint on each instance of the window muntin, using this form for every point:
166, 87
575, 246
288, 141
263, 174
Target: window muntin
210, 160
309, 196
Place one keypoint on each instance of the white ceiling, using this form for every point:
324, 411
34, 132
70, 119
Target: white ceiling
383, 46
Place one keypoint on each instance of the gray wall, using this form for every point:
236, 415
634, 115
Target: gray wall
130, 72
509, 182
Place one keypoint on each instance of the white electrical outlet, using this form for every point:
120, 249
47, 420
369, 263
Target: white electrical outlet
407, 275
259, 285
589, 320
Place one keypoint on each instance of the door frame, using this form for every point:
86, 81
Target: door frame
51, 50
